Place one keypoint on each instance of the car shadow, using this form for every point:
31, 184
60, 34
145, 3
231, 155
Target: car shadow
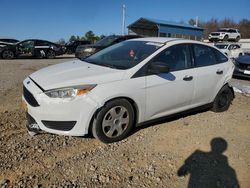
209, 169
170, 118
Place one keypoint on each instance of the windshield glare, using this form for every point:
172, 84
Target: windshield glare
124, 55
222, 46
107, 40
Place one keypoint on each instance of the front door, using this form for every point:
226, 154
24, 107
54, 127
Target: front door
171, 92
26, 48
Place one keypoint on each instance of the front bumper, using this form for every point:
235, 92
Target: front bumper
216, 37
60, 116
241, 73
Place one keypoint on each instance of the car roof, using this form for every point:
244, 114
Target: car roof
156, 39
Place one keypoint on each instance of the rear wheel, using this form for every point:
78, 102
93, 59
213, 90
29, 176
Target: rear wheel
51, 54
8, 54
223, 99
114, 121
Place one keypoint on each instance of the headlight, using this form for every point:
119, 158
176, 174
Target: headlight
89, 50
69, 92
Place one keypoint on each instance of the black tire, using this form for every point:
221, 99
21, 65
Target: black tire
110, 132
8, 54
223, 99
69, 51
51, 54
237, 39
225, 38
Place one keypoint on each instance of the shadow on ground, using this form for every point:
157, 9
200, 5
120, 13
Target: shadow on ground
210, 169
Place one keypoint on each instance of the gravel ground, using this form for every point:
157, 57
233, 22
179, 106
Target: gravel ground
172, 153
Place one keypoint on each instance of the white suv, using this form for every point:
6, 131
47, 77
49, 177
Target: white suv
231, 50
126, 84
225, 34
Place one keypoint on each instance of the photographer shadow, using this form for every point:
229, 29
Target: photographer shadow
210, 169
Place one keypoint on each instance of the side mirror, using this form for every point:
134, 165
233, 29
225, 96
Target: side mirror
158, 68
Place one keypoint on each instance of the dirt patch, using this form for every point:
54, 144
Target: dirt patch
150, 157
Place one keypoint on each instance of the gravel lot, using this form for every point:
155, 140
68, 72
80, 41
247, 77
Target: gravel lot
151, 157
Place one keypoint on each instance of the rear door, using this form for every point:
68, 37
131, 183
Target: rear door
210, 72
41, 48
171, 92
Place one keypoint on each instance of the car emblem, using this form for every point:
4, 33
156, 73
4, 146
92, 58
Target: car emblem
248, 67
28, 82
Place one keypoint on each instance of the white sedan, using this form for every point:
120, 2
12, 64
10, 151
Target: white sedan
127, 84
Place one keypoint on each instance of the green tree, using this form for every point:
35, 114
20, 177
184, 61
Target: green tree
191, 22
72, 38
61, 41
90, 36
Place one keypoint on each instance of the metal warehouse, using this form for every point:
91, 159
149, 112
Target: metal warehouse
153, 28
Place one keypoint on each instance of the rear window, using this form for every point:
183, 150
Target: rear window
220, 57
204, 55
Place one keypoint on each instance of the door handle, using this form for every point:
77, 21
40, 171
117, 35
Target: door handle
219, 72
188, 78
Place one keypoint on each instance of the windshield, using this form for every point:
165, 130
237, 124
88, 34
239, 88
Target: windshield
124, 55
223, 30
221, 46
107, 40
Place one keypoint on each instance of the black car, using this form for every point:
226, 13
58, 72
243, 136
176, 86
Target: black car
84, 51
8, 40
31, 48
242, 66
71, 46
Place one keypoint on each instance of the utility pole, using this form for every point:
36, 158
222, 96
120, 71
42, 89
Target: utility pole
123, 19
196, 21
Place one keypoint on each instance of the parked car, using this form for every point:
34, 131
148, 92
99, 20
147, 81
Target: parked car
31, 48
127, 84
8, 40
84, 51
71, 46
231, 50
242, 66
225, 34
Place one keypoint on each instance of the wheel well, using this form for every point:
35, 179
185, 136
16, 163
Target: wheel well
131, 101
230, 87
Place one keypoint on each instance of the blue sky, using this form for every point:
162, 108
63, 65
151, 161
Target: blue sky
55, 19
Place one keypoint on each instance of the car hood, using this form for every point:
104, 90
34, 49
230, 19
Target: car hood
244, 59
74, 73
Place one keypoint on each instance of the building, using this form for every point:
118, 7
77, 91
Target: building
153, 28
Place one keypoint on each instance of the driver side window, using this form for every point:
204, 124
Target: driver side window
177, 57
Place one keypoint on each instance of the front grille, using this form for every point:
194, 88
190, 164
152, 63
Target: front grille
215, 34
59, 125
29, 97
244, 66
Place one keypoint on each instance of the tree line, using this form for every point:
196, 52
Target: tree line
209, 26
214, 24
90, 36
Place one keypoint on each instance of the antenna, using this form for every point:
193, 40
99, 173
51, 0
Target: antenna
123, 19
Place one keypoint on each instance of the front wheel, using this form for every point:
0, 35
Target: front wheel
7, 54
237, 39
225, 38
223, 99
114, 121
